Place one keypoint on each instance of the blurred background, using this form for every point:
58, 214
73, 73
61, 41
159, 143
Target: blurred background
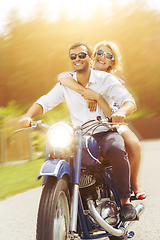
34, 40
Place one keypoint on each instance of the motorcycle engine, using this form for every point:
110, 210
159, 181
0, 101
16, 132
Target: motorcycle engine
87, 188
108, 211
106, 208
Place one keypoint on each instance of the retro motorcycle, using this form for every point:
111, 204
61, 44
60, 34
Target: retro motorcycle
79, 199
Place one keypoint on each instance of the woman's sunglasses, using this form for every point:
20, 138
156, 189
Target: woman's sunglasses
108, 55
81, 55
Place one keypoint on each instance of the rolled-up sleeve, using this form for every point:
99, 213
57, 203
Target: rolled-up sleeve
117, 92
52, 98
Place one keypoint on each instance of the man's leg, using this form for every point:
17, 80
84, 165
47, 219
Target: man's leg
113, 148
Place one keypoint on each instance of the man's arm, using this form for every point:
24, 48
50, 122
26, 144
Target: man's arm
35, 111
43, 104
126, 110
119, 94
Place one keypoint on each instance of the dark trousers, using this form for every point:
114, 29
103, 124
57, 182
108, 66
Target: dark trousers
113, 148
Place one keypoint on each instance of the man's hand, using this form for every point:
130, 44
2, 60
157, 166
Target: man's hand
25, 122
35, 111
118, 117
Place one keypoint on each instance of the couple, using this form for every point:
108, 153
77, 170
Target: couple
107, 89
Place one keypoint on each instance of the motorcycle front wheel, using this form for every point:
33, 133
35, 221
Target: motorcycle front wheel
53, 213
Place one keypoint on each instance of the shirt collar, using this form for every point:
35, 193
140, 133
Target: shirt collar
92, 78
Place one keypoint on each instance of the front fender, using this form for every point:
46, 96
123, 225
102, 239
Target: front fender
56, 167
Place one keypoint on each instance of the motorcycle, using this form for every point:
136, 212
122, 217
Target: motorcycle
79, 199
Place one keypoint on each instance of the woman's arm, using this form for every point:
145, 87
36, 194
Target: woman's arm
88, 94
72, 84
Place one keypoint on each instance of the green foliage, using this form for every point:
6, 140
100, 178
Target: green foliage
142, 112
12, 109
19, 178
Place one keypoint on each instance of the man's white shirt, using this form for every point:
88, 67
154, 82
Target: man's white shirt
104, 83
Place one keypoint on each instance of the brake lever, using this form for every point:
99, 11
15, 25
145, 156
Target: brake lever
99, 118
109, 120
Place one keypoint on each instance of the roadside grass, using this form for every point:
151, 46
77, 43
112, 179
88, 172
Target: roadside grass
19, 177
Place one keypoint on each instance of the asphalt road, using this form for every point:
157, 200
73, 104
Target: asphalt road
18, 213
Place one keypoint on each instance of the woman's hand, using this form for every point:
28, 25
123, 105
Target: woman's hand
88, 93
91, 98
92, 105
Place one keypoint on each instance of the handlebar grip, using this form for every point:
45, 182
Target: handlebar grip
35, 123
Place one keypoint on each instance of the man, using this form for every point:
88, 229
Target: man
111, 143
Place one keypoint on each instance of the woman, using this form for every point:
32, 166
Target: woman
106, 57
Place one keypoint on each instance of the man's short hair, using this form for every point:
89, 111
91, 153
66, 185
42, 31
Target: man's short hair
77, 44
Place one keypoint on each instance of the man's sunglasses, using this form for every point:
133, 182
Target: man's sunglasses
108, 55
81, 55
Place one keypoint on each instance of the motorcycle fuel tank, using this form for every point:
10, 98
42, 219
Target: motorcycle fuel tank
90, 151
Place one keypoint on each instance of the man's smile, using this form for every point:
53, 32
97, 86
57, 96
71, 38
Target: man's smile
78, 63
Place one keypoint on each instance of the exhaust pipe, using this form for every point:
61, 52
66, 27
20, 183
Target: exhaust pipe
102, 223
113, 231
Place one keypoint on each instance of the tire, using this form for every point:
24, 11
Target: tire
53, 213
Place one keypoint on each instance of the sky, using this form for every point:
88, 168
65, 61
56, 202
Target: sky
83, 10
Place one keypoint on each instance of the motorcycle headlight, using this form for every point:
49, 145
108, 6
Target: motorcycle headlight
60, 135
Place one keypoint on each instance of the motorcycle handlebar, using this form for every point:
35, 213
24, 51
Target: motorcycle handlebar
106, 122
34, 124
38, 124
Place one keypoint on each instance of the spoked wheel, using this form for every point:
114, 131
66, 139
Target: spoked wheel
53, 214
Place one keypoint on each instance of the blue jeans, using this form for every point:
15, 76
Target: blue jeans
113, 148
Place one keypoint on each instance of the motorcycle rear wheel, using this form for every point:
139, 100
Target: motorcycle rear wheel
53, 214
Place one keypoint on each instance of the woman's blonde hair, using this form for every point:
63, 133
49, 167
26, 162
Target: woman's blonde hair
117, 56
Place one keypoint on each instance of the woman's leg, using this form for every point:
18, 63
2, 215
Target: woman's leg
133, 148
